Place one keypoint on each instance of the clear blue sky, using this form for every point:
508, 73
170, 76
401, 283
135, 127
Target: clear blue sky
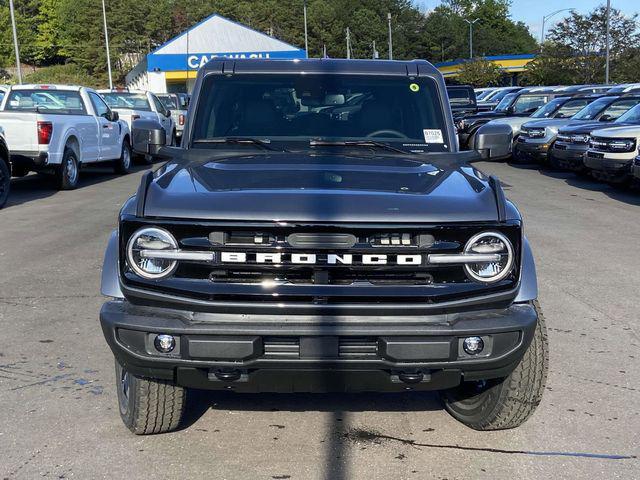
531, 11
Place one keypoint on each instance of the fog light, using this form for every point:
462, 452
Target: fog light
166, 343
473, 345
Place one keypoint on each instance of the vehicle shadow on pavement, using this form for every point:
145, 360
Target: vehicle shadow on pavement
38, 186
338, 405
626, 194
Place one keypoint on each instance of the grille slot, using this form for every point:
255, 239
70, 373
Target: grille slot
357, 348
286, 347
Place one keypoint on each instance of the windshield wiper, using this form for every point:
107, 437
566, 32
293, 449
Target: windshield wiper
264, 144
357, 143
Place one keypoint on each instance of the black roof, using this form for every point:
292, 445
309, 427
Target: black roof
323, 65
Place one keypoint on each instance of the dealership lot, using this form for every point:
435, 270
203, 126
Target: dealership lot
59, 412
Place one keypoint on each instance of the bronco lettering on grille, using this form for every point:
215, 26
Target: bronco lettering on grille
320, 259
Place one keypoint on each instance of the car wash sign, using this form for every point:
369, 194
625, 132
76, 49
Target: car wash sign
195, 61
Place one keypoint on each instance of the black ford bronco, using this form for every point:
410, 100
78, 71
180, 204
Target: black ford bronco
319, 231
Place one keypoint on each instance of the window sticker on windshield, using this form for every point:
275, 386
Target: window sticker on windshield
433, 135
414, 87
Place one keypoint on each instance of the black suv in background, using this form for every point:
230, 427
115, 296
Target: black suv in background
287, 248
462, 99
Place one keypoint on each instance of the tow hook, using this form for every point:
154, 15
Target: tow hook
411, 377
228, 375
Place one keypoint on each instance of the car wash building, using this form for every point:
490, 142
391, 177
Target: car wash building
172, 67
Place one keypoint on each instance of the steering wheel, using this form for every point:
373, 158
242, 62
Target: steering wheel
392, 133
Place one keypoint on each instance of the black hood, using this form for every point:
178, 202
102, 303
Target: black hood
321, 188
588, 127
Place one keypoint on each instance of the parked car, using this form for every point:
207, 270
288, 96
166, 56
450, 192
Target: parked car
517, 104
3, 91
491, 101
561, 107
5, 170
178, 105
61, 128
537, 137
636, 169
624, 88
572, 141
264, 255
611, 153
132, 105
462, 100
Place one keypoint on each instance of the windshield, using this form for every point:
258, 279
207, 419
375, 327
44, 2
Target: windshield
631, 116
529, 103
2, 94
503, 105
460, 96
484, 94
126, 100
168, 101
548, 109
63, 102
499, 95
299, 109
592, 110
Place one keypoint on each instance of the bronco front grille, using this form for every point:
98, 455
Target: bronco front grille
334, 264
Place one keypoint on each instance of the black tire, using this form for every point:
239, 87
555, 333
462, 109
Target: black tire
68, 171
508, 402
471, 141
149, 406
122, 166
5, 181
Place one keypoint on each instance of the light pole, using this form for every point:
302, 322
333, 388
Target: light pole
471, 35
390, 37
106, 39
608, 41
547, 17
306, 37
15, 41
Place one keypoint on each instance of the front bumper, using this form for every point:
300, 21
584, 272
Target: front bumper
251, 352
569, 156
532, 150
609, 166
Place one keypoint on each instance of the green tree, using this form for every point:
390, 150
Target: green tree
574, 52
479, 73
495, 33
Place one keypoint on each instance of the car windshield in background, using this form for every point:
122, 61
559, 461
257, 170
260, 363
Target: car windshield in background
549, 109
504, 104
499, 95
529, 103
63, 102
631, 116
168, 101
297, 108
606, 107
126, 100
561, 108
459, 96
2, 94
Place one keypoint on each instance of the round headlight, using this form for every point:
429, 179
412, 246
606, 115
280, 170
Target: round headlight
489, 243
140, 253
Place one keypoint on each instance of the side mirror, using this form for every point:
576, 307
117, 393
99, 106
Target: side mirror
148, 137
605, 118
494, 141
114, 116
167, 113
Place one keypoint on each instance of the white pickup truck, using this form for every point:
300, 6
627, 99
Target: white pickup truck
61, 128
137, 104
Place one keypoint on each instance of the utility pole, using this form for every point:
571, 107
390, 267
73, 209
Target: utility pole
471, 35
324, 50
376, 55
306, 36
390, 37
15, 40
106, 40
348, 43
608, 41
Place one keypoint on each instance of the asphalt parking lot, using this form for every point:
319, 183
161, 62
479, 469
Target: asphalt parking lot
59, 415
